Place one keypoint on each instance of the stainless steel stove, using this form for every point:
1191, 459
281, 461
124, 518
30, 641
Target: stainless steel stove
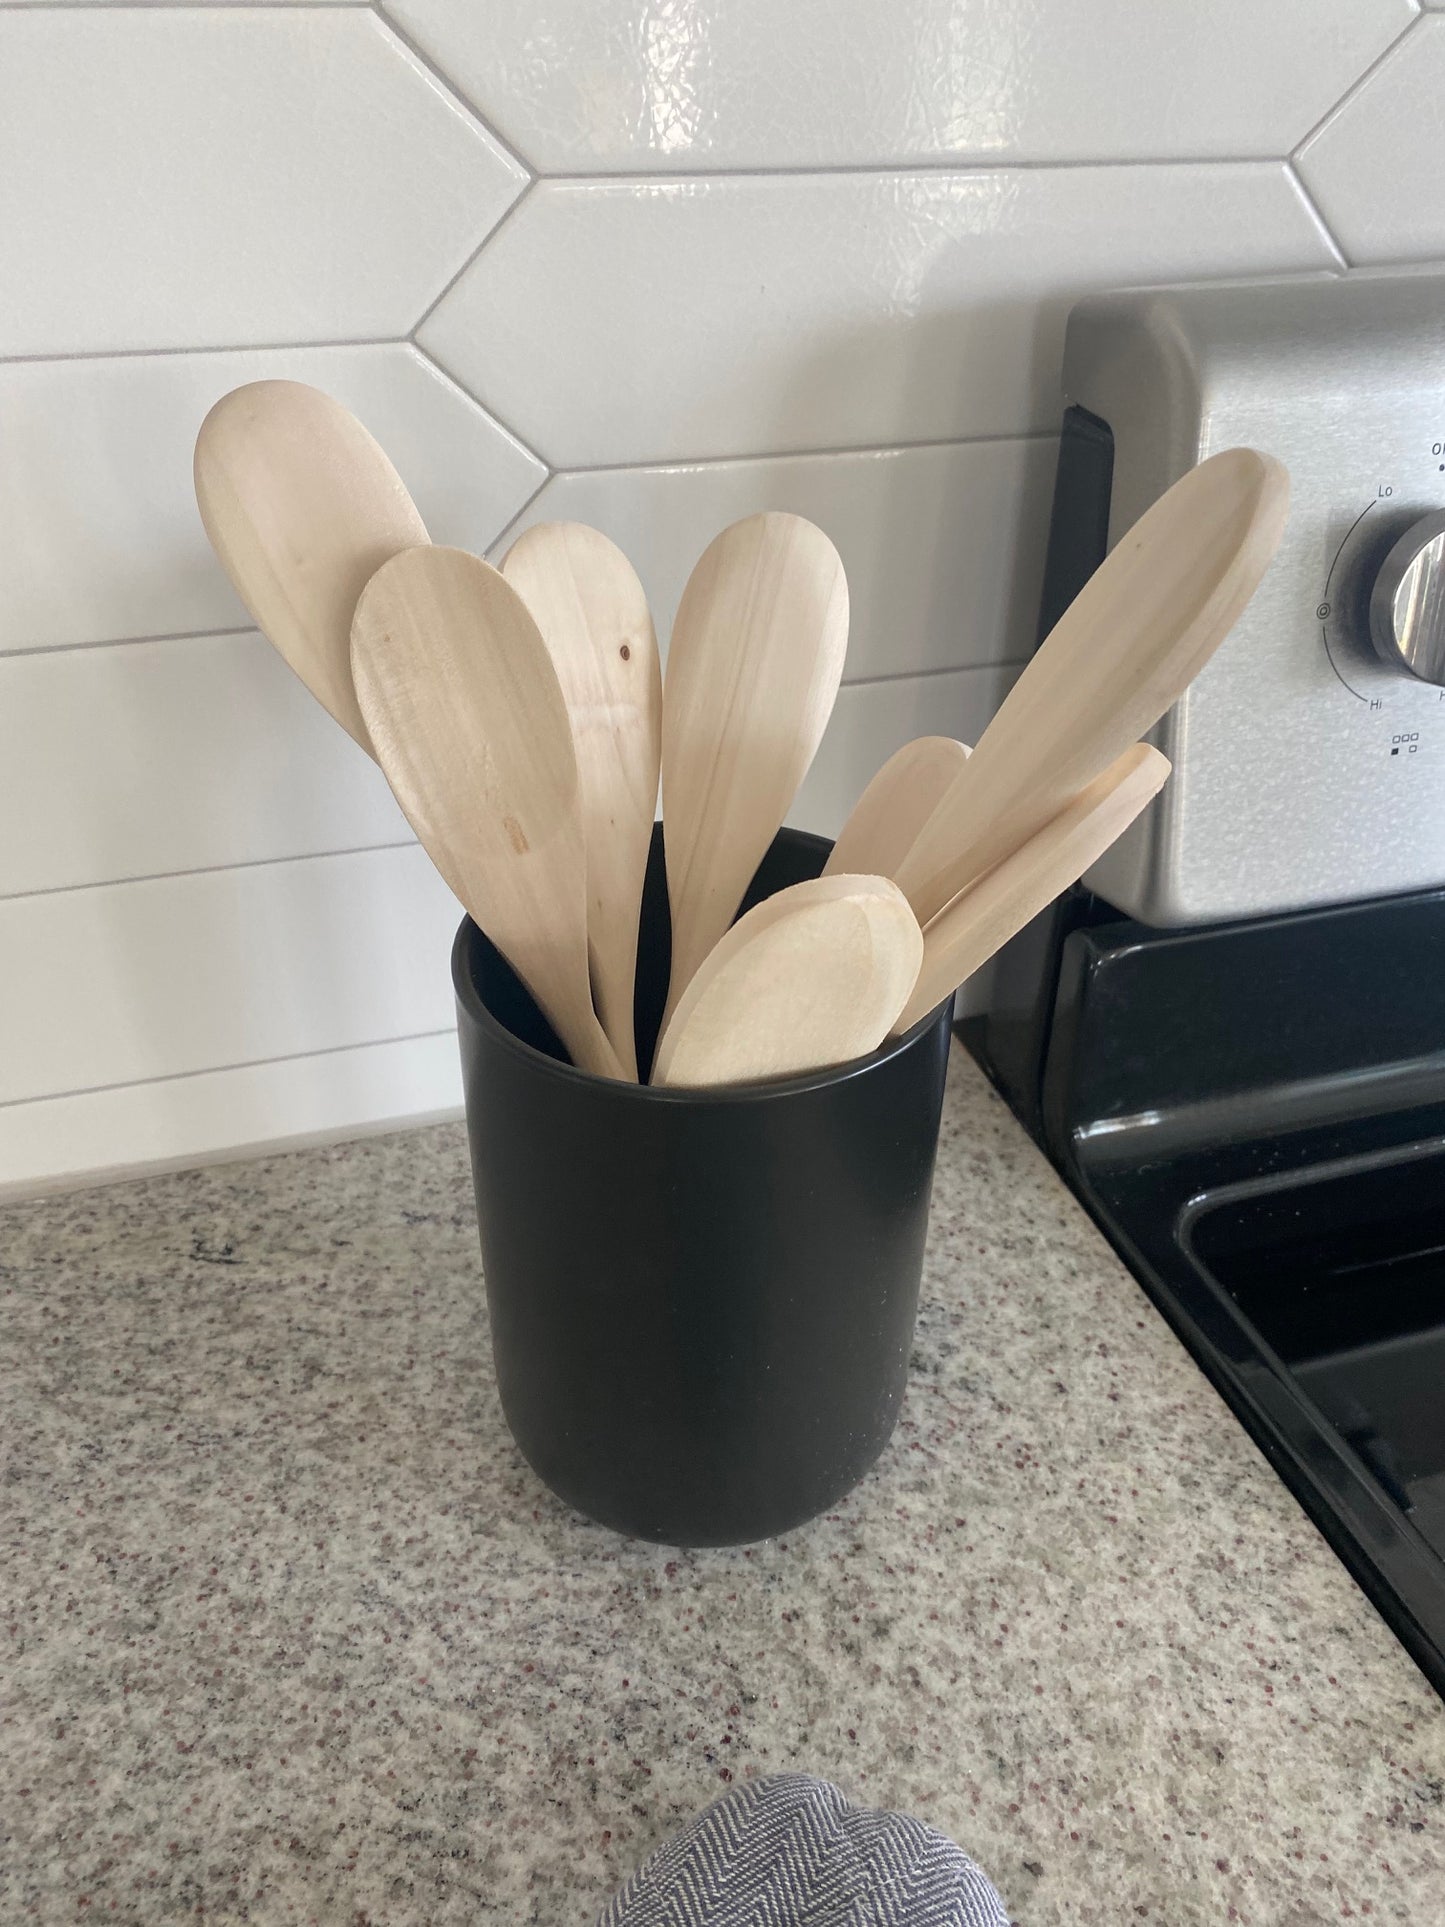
1231, 1038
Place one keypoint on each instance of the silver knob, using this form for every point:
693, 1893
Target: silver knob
1407, 603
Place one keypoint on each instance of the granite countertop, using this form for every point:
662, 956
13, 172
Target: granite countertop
295, 1635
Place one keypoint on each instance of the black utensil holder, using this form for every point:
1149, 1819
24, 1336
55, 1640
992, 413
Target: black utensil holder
701, 1302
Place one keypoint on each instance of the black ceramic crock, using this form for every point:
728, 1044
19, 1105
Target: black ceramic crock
701, 1302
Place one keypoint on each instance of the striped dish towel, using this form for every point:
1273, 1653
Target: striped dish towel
791, 1852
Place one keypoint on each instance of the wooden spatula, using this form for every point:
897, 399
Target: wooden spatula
1126, 649
968, 932
468, 721
812, 976
302, 508
883, 824
592, 611
752, 671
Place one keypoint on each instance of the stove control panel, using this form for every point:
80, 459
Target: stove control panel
1309, 755
1407, 601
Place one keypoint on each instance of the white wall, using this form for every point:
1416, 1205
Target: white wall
650, 263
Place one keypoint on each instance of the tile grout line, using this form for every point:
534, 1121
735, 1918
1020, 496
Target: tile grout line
432, 361
7, 897
503, 533
31, 651
1312, 206
360, 849
914, 164
747, 459
963, 163
198, 348
949, 165
927, 675
1041, 435
204, 870
475, 254
444, 80
889, 170
221, 1070
1360, 81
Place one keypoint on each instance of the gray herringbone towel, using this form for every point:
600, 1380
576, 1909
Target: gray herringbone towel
792, 1852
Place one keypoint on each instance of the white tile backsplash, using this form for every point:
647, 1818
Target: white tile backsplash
872, 720
592, 86
84, 1135
1375, 167
102, 536
96, 745
943, 546
174, 177
180, 974
665, 320
814, 257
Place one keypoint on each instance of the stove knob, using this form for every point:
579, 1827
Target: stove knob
1407, 603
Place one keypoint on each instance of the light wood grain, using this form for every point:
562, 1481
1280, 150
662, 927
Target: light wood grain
884, 823
812, 976
753, 669
302, 507
970, 929
468, 721
1126, 649
592, 611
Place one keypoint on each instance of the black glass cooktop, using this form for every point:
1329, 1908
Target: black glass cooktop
1343, 1278
1256, 1117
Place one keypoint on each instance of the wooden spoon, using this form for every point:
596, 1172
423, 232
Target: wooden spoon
752, 671
470, 725
302, 508
981, 921
812, 976
592, 611
1127, 647
886, 819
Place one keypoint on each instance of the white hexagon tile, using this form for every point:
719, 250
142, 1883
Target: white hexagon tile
184, 177
1375, 166
616, 86
654, 320
95, 480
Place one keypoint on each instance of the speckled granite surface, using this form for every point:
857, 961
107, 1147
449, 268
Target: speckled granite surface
294, 1636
